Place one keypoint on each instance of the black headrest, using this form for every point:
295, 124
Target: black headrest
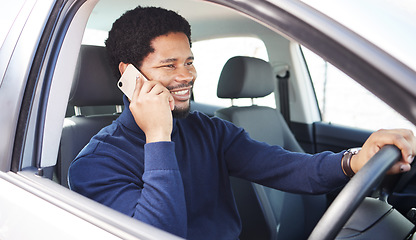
245, 77
94, 82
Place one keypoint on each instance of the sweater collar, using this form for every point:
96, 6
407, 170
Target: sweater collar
126, 118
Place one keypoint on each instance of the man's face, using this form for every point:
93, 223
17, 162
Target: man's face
172, 65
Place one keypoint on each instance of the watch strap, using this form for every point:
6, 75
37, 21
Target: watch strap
346, 161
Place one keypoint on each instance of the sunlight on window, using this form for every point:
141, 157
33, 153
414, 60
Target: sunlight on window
344, 101
94, 37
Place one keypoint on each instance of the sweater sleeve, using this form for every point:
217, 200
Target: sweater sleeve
278, 168
155, 195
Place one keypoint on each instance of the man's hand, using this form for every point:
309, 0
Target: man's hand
401, 138
151, 106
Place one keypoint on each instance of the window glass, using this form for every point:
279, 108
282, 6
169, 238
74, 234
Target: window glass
343, 101
210, 57
94, 37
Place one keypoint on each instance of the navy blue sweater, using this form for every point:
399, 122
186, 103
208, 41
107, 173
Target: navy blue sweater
183, 186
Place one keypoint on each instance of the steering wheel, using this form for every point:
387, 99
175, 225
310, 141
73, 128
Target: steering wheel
354, 193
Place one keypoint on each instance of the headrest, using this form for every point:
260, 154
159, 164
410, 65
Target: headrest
245, 77
94, 82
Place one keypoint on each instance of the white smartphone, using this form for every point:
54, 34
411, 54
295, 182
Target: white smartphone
127, 82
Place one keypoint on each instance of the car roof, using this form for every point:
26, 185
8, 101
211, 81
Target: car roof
391, 25
198, 13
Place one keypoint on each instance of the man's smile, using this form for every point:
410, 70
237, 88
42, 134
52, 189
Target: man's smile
182, 92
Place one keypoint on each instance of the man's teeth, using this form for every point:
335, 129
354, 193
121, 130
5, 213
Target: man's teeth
181, 92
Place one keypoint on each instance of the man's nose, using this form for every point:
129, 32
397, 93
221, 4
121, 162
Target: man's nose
185, 74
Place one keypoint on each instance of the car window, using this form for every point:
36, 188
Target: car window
94, 37
343, 101
210, 57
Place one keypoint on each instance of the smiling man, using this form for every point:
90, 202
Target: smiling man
170, 168
171, 73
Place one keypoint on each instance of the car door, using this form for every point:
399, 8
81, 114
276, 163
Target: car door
38, 54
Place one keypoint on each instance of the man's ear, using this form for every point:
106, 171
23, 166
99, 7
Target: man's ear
122, 67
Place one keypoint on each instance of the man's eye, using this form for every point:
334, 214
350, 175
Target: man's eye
189, 63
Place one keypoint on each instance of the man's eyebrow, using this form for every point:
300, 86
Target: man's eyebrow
170, 60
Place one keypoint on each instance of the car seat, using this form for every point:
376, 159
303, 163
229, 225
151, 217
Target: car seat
266, 213
94, 87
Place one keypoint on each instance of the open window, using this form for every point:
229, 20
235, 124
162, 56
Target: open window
345, 102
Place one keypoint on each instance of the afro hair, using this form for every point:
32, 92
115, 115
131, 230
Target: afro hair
130, 37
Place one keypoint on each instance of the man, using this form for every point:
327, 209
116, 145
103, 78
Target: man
170, 168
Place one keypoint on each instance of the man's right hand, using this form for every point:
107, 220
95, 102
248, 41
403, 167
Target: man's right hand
151, 106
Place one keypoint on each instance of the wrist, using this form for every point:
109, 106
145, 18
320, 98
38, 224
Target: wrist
154, 136
158, 138
347, 165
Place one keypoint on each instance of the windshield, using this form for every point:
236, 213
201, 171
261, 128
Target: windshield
389, 24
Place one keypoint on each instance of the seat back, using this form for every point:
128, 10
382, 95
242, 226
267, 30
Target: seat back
94, 87
284, 215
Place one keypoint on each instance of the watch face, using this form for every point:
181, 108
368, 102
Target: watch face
354, 151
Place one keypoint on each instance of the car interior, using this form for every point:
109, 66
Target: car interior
263, 210
295, 122
247, 77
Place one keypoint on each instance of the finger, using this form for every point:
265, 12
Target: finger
399, 167
138, 87
153, 88
164, 91
410, 137
159, 89
408, 144
171, 102
402, 139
